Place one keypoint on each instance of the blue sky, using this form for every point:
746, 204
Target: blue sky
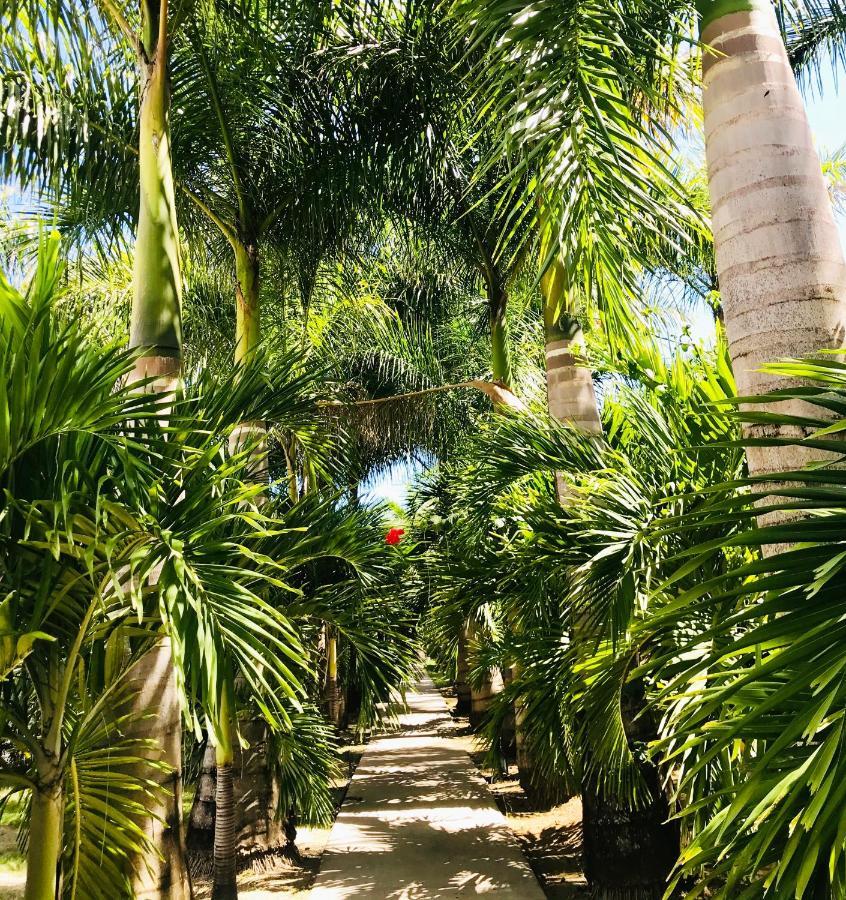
826, 110
827, 115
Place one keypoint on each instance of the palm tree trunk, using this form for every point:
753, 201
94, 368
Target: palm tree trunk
628, 853
163, 875
569, 384
482, 693
157, 279
200, 837
225, 845
247, 311
779, 259
462, 675
156, 326
571, 398
45, 844
332, 693
225, 886
500, 347
254, 790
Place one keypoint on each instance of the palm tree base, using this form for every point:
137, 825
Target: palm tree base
628, 853
462, 694
482, 697
225, 892
334, 700
542, 793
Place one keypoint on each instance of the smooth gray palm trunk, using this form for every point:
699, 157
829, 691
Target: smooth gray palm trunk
779, 258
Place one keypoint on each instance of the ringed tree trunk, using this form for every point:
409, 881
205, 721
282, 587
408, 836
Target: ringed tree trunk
569, 385
482, 693
571, 398
779, 259
152, 681
628, 853
156, 326
225, 885
238, 816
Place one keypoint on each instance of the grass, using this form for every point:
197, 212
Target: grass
13, 811
11, 861
440, 679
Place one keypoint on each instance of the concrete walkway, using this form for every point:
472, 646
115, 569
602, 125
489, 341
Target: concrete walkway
419, 822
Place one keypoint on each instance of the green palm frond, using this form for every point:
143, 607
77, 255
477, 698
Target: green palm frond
581, 97
128, 515
814, 32
305, 757
760, 681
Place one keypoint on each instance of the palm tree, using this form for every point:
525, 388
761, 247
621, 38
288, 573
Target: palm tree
241, 145
592, 561
570, 391
185, 509
759, 668
70, 432
779, 258
415, 118
157, 288
585, 92
589, 94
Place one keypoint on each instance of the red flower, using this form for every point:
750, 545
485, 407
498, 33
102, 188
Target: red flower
394, 535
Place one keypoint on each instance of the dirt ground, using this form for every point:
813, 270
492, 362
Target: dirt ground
278, 876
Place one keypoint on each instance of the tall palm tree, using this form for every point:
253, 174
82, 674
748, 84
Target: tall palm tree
69, 432
238, 136
416, 116
590, 93
603, 556
780, 262
157, 288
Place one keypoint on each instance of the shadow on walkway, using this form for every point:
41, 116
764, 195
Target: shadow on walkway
419, 822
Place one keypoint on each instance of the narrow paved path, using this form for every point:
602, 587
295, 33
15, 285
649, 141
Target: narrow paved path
419, 822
